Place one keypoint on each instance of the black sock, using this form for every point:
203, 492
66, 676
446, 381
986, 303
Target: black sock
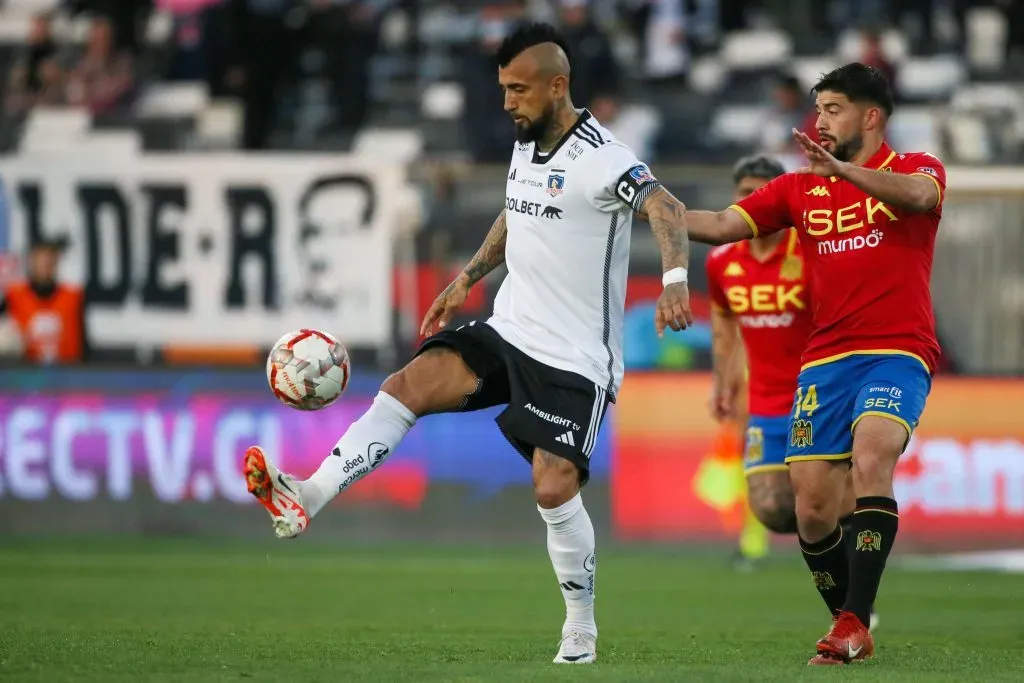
847, 522
829, 562
874, 532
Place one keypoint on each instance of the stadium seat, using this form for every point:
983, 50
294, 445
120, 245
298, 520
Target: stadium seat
737, 124
443, 101
219, 124
916, 128
809, 70
979, 96
756, 49
54, 129
986, 30
969, 141
185, 99
708, 75
111, 143
397, 145
929, 78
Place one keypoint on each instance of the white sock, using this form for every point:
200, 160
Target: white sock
571, 547
365, 445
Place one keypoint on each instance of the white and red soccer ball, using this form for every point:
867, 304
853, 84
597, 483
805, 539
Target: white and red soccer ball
308, 369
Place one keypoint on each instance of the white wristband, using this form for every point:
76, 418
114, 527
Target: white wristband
673, 276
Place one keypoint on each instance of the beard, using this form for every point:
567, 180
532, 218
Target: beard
846, 150
531, 131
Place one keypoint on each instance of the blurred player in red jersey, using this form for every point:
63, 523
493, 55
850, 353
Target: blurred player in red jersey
867, 218
760, 321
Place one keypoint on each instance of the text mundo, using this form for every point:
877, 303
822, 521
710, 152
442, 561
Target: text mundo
81, 454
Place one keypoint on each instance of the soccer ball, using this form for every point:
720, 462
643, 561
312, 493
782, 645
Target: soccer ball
308, 369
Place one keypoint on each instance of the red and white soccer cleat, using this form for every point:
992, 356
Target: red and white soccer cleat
277, 492
849, 640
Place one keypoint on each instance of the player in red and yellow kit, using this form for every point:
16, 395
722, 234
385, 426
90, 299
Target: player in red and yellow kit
760, 321
867, 218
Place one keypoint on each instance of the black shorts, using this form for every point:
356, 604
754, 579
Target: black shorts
555, 410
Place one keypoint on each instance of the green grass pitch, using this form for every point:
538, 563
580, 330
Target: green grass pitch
175, 610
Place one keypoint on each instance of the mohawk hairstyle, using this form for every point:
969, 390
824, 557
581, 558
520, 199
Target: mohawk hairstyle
526, 36
860, 83
757, 166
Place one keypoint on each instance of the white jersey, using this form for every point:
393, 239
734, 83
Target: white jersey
569, 214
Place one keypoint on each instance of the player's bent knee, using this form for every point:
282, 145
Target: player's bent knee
555, 479
435, 381
771, 501
776, 515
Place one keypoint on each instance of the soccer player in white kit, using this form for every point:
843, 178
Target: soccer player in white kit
552, 350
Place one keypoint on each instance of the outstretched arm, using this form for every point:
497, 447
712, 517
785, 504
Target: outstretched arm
917, 193
489, 256
708, 227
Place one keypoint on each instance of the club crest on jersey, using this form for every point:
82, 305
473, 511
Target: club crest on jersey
792, 268
556, 183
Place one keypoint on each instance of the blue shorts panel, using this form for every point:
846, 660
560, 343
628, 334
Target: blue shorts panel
831, 398
765, 448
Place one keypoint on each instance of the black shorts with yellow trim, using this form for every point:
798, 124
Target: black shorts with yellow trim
834, 394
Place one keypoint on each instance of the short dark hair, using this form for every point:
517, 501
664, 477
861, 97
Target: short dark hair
526, 36
757, 166
860, 83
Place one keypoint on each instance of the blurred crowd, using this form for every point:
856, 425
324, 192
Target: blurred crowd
255, 49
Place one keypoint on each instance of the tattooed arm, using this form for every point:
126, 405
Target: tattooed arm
489, 256
667, 217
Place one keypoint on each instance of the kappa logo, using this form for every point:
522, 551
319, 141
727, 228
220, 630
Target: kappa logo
819, 191
734, 269
551, 212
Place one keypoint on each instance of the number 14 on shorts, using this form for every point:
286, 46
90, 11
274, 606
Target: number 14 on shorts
805, 405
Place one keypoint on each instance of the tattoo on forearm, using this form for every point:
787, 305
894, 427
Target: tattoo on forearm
667, 218
491, 253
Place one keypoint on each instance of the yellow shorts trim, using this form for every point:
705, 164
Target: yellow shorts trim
866, 352
934, 180
889, 416
834, 457
746, 216
763, 469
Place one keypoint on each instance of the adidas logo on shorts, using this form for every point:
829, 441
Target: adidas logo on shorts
567, 439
